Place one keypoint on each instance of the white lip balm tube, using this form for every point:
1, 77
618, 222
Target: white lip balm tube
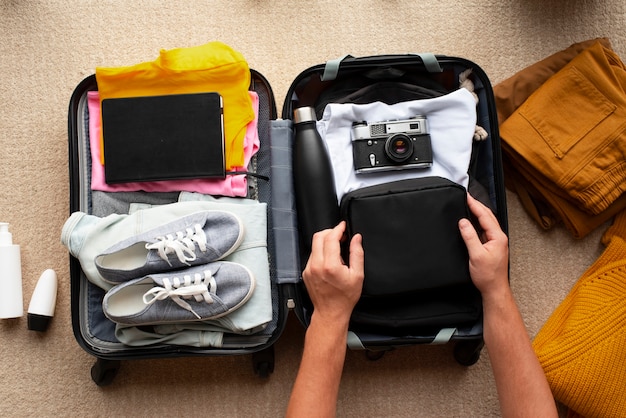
43, 301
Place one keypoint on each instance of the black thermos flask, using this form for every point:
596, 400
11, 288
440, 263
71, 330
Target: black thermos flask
316, 199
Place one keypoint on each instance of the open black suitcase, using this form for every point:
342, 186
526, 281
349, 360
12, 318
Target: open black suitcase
96, 334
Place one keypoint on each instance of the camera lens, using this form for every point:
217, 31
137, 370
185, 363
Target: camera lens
399, 147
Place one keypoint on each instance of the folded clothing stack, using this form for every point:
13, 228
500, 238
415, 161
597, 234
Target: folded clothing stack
210, 68
562, 129
198, 265
213, 67
234, 185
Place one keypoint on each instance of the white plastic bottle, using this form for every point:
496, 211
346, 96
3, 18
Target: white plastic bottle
11, 303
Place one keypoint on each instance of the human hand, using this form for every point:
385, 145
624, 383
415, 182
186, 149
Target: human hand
489, 256
334, 287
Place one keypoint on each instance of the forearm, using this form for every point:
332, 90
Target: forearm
521, 383
315, 391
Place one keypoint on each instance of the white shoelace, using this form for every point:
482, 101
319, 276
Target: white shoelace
183, 244
200, 287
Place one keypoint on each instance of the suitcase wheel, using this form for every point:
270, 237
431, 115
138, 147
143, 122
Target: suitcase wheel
263, 362
104, 371
467, 353
374, 355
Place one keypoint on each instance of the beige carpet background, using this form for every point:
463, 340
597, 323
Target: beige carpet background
48, 47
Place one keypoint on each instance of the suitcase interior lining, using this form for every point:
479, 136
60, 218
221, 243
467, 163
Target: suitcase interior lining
98, 330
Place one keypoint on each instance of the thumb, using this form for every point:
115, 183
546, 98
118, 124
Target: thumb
357, 257
470, 236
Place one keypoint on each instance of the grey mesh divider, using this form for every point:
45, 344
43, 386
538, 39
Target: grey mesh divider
283, 213
262, 190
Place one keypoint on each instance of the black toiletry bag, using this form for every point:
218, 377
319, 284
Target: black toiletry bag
410, 234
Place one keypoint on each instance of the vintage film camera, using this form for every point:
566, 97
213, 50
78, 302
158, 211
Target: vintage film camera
391, 145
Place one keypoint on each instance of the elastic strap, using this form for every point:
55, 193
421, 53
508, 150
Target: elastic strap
332, 68
354, 342
247, 173
444, 336
430, 62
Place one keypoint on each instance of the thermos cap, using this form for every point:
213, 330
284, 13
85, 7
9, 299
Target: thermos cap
304, 114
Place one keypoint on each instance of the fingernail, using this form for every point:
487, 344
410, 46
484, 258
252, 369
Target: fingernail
464, 223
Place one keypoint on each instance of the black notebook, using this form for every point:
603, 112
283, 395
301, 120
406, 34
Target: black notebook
169, 137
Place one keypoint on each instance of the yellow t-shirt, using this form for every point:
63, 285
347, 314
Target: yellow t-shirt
213, 67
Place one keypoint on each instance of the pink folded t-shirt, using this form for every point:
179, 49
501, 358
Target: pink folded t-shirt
232, 185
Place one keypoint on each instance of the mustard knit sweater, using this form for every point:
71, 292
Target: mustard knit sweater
582, 346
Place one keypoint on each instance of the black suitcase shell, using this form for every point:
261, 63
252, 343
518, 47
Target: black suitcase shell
485, 167
93, 331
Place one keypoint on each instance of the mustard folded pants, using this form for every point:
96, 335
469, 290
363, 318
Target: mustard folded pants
564, 145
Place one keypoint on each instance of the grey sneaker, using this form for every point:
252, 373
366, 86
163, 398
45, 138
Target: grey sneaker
198, 293
191, 240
